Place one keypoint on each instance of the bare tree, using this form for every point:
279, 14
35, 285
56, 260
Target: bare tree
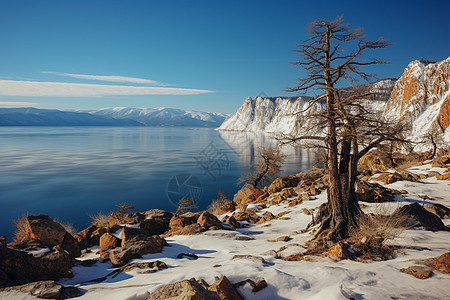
334, 53
268, 164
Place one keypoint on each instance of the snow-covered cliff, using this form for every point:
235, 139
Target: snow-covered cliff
422, 97
274, 115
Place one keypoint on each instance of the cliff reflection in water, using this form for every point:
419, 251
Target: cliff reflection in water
246, 145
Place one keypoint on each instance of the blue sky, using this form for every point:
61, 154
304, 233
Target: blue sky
201, 55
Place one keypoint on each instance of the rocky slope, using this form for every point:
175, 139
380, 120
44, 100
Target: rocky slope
422, 97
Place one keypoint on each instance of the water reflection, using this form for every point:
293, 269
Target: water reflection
246, 145
71, 172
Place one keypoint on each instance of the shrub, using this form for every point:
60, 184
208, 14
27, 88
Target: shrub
21, 232
218, 203
185, 205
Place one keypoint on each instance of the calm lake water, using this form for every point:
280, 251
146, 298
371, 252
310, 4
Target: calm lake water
70, 173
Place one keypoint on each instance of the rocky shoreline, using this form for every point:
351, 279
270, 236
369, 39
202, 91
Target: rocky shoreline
37, 265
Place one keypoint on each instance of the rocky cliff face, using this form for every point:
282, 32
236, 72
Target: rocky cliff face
274, 115
421, 97
286, 115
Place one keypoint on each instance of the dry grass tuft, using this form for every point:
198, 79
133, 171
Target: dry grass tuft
104, 221
218, 203
21, 232
67, 226
371, 231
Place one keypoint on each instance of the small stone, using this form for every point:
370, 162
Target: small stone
420, 272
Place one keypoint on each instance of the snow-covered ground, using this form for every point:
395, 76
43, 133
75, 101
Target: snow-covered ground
317, 278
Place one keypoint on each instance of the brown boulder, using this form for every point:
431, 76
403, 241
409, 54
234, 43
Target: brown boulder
156, 222
249, 216
283, 182
48, 289
287, 193
439, 210
18, 267
90, 236
267, 216
443, 263
247, 194
339, 251
373, 192
188, 230
184, 220
224, 289
121, 255
375, 161
421, 272
50, 233
43, 228
108, 242
227, 207
428, 220
207, 219
183, 290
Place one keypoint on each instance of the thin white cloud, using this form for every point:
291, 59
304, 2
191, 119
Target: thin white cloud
111, 78
17, 104
63, 89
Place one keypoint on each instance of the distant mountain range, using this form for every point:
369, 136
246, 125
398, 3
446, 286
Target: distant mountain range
117, 116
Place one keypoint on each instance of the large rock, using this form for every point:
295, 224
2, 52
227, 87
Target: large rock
183, 290
207, 219
443, 263
48, 289
428, 220
373, 192
18, 267
44, 229
184, 220
247, 194
375, 160
339, 251
421, 272
227, 207
135, 249
156, 222
90, 236
224, 289
108, 242
193, 289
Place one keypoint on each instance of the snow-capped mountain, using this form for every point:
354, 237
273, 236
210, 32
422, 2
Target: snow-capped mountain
163, 116
287, 115
119, 116
274, 115
422, 97
52, 117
